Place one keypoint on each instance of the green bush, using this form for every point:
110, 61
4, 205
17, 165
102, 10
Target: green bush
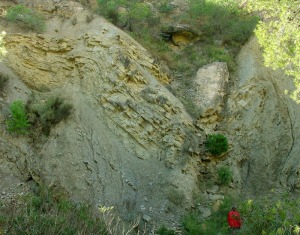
216, 144
191, 224
18, 122
46, 114
26, 16
224, 175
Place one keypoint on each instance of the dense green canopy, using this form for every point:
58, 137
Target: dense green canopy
279, 34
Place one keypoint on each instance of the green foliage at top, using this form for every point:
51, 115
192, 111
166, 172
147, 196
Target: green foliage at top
18, 122
216, 144
279, 34
26, 16
222, 19
134, 12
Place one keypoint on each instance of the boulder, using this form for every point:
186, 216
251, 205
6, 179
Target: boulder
210, 88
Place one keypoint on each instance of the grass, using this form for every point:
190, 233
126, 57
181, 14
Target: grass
265, 215
26, 17
225, 175
18, 122
44, 213
50, 212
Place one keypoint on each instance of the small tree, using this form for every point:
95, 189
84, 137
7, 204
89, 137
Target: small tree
216, 144
18, 122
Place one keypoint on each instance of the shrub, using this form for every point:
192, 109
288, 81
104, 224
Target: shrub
3, 80
215, 224
165, 7
216, 144
164, 231
28, 17
18, 122
45, 115
224, 175
191, 224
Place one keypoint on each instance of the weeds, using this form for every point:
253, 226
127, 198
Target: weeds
18, 122
225, 175
51, 213
42, 214
164, 231
260, 216
44, 115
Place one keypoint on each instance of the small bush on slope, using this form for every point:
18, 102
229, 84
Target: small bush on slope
216, 144
44, 115
18, 122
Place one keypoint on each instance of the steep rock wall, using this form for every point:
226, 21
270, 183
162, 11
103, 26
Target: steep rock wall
123, 145
262, 122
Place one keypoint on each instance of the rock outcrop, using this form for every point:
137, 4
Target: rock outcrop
261, 121
209, 90
124, 144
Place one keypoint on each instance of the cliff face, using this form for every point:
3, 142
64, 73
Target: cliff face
262, 121
130, 143
124, 144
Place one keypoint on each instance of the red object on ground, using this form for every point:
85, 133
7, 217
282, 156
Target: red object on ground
234, 219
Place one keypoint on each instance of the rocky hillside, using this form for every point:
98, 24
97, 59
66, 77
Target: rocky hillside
129, 142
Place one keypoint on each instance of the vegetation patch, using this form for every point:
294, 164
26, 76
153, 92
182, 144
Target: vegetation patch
222, 26
18, 122
225, 175
43, 214
165, 231
216, 144
26, 17
43, 114
277, 214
